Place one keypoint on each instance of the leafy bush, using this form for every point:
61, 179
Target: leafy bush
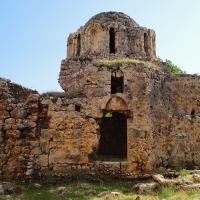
173, 67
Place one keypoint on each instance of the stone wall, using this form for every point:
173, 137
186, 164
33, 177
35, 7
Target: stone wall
42, 134
178, 139
95, 80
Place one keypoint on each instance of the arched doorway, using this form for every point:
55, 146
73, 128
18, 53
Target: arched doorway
113, 131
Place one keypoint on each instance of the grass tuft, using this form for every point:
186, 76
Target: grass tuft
184, 172
167, 192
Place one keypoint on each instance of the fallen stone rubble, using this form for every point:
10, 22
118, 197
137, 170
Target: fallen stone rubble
192, 181
160, 180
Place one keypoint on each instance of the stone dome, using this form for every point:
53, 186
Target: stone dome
112, 35
110, 17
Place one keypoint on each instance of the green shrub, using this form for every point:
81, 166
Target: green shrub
173, 67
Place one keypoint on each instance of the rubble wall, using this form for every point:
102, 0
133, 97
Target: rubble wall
178, 138
18, 122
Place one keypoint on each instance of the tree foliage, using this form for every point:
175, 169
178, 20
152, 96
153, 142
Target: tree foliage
174, 68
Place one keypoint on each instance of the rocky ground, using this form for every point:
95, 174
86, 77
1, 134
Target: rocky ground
188, 182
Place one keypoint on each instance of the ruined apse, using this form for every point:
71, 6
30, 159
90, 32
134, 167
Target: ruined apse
130, 117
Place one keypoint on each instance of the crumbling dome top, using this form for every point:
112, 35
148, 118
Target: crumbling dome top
109, 17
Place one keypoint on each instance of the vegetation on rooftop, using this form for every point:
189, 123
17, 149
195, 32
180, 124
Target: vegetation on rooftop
55, 95
117, 62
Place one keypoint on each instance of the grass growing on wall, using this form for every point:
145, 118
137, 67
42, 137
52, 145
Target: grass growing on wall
117, 62
56, 95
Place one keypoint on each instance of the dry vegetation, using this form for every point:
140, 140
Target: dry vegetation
55, 95
117, 62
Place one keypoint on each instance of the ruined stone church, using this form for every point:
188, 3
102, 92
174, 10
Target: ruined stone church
124, 110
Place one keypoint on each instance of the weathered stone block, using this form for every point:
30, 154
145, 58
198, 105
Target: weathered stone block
34, 144
44, 146
36, 151
4, 114
196, 178
18, 113
29, 124
144, 188
10, 121
16, 150
13, 134
3, 159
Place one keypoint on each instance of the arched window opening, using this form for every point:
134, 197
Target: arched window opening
112, 40
145, 43
94, 39
117, 82
78, 45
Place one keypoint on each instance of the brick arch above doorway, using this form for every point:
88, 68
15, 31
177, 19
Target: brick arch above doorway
116, 103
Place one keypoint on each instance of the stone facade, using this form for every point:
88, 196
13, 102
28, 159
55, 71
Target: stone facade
131, 117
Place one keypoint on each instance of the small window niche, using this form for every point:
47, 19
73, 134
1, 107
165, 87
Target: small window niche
117, 82
112, 40
77, 108
193, 112
78, 45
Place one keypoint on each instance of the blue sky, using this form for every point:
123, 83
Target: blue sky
33, 34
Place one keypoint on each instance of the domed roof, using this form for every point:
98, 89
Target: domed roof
109, 17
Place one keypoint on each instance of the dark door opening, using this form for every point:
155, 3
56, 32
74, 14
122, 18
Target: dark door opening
117, 82
78, 45
112, 40
113, 136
